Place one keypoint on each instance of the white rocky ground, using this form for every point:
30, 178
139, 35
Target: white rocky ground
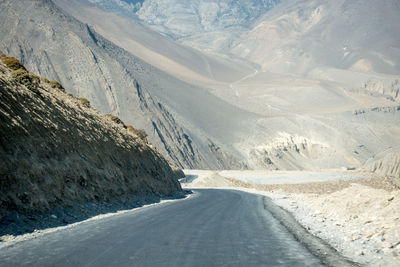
359, 217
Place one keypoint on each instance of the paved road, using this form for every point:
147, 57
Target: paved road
211, 228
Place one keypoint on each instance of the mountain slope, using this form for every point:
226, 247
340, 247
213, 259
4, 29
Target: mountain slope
305, 102
301, 123
178, 60
207, 25
57, 152
299, 36
57, 46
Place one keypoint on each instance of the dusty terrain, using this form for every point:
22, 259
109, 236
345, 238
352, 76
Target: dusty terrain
58, 46
358, 215
289, 98
61, 160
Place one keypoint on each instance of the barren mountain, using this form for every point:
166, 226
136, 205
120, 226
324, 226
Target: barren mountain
284, 89
57, 46
325, 77
305, 36
181, 61
208, 25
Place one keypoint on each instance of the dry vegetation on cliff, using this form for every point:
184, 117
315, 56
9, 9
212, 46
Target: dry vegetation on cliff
57, 152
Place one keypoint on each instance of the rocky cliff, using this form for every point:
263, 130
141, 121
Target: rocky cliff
57, 152
386, 164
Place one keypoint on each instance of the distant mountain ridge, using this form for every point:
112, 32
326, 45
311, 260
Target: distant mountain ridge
193, 21
122, 7
281, 36
300, 36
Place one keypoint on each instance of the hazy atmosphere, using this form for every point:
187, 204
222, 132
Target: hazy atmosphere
288, 110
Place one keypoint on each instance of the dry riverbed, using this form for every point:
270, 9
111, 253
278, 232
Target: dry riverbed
358, 215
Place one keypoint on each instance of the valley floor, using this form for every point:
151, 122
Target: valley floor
357, 213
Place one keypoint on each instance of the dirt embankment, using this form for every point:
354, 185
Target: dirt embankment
361, 220
57, 154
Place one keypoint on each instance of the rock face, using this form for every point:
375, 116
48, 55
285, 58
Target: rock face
387, 164
198, 23
123, 7
55, 45
288, 152
169, 133
389, 89
56, 151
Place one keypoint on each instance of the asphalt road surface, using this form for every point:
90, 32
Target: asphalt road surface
211, 228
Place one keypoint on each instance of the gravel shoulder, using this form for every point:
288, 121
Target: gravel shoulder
360, 218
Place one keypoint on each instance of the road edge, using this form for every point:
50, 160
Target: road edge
15, 240
317, 246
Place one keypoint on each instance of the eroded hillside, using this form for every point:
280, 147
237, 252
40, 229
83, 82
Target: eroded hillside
56, 151
290, 110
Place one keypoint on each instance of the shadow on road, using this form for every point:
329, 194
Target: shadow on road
16, 224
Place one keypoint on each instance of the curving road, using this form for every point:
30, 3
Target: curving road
211, 228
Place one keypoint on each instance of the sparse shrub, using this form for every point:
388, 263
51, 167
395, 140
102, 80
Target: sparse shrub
57, 85
85, 102
142, 134
139, 132
130, 129
12, 63
30, 80
21, 76
45, 80
115, 119
35, 79
2, 54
